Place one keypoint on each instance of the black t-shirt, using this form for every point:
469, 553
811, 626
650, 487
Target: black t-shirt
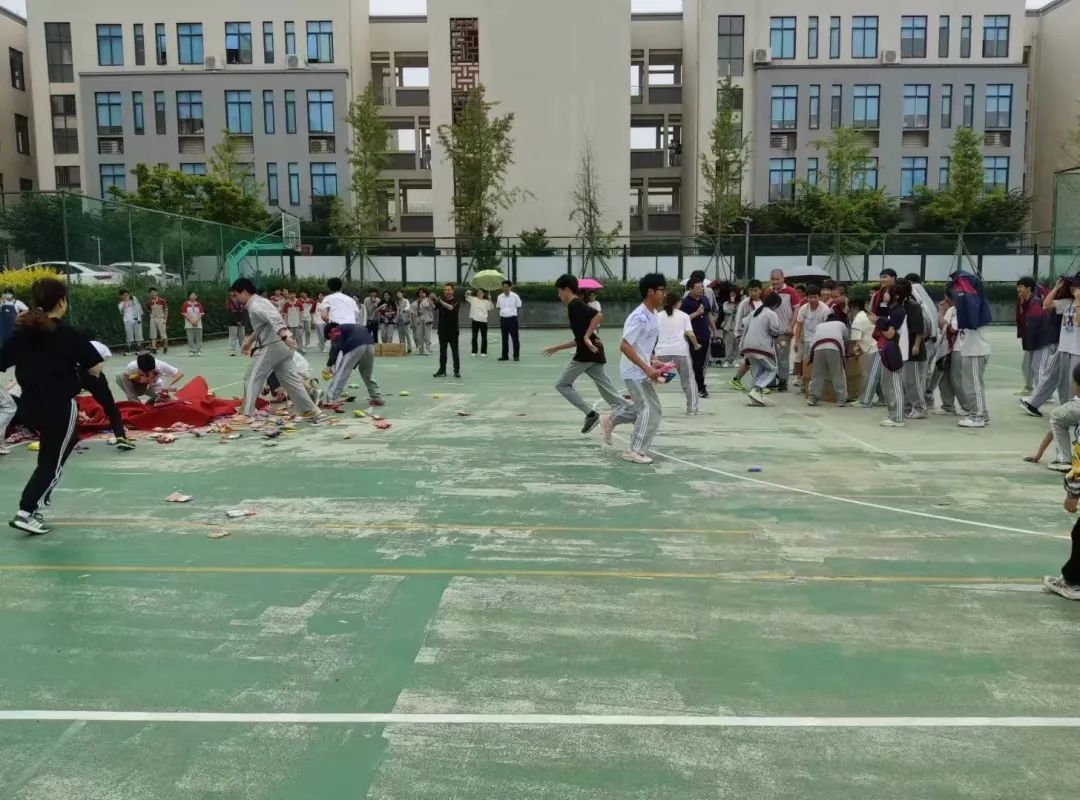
47, 363
580, 316
916, 326
448, 319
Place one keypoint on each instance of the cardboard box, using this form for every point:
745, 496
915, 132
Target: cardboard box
393, 350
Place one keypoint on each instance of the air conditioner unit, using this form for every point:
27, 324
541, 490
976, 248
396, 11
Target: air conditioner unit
210, 62
890, 57
295, 62
763, 55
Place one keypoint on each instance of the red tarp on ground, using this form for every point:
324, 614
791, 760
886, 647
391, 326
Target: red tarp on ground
192, 406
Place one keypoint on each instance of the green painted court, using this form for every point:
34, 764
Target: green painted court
494, 606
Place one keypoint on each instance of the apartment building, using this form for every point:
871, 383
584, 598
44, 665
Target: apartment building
17, 149
157, 84
1055, 102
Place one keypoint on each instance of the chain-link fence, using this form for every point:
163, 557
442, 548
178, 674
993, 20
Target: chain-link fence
1065, 250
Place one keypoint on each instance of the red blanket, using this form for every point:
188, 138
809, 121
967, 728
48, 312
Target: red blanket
192, 406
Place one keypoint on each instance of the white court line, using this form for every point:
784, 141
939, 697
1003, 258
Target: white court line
854, 502
575, 720
216, 389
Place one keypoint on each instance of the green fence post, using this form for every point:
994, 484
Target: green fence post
131, 237
183, 260
625, 262
404, 267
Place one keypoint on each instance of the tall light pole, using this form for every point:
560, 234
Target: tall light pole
746, 246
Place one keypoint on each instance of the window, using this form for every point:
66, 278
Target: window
189, 113
112, 175
64, 124
815, 106
237, 42
916, 105
190, 36
943, 36
109, 115
159, 113
193, 169
912, 174
18, 74
946, 106
999, 105
781, 179
731, 53
22, 135
268, 42
996, 36
320, 110
913, 37
812, 40
969, 105
110, 45
867, 113
865, 174
268, 112
812, 173
323, 180
834, 37
785, 105
160, 49
294, 184
965, 37
290, 39
140, 45
864, 37
68, 179
58, 52
290, 111
137, 110
782, 37
238, 112
836, 110
320, 42
995, 172
943, 172
271, 184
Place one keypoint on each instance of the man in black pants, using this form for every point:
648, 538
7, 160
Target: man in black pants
508, 304
697, 307
448, 306
98, 387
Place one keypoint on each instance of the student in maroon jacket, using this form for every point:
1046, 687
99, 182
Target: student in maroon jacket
881, 303
1037, 329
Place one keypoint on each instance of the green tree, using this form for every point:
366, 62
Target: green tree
480, 149
853, 214
593, 238
722, 169
534, 242
366, 217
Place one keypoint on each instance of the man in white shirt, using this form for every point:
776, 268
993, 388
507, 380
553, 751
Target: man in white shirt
148, 377
339, 307
640, 333
508, 304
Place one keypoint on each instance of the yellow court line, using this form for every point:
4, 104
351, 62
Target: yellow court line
508, 573
405, 526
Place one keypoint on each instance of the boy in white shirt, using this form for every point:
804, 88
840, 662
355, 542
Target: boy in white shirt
148, 377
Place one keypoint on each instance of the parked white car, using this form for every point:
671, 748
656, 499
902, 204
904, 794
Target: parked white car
147, 269
80, 272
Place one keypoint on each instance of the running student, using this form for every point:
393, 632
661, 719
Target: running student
1068, 583
271, 347
146, 377
158, 310
193, 312
589, 358
759, 347
47, 355
677, 333
351, 347
826, 353
640, 333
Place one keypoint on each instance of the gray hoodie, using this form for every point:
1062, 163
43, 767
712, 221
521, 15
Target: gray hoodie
762, 330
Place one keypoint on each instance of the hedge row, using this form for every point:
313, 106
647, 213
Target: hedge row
95, 307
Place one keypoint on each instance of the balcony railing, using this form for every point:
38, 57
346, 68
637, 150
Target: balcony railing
417, 223
413, 97
401, 160
647, 159
665, 95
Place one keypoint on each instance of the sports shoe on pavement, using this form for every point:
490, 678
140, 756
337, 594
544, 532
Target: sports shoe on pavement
757, 398
1057, 585
592, 419
1059, 466
891, 423
635, 458
32, 524
1028, 408
607, 428
125, 444
376, 401
968, 422
916, 415
943, 412
735, 383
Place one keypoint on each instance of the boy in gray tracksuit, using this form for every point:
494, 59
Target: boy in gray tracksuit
759, 347
826, 353
271, 346
351, 347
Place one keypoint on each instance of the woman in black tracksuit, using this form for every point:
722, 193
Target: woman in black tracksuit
48, 356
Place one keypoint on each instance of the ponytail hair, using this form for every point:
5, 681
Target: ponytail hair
671, 299
772, 300
45, 295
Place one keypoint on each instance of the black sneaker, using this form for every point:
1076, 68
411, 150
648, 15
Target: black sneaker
457, 374
32, 525
123, 443
781, 386
1029, 409
703, 393
439, 374
592, 419
504, 358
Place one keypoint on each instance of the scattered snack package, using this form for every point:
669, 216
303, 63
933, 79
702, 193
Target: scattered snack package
382, 425
179, 497
239, 513
217, 534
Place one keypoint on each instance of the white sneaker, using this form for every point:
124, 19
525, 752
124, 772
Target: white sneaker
1060, 466
635, 458
968, 422
1057, 585
891, 423
5, 450
757, 398
33, 525
942, 412
607, 427
916, 415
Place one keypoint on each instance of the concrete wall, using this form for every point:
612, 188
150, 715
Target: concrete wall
15, 166
561, 67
